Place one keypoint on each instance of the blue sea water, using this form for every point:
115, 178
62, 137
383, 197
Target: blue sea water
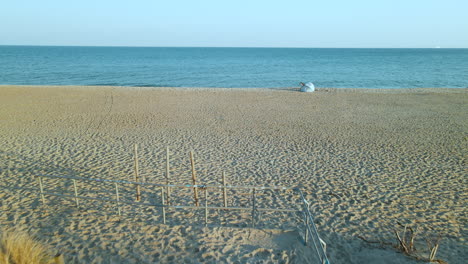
233, 67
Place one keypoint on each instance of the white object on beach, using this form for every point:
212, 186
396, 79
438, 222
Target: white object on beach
308, 87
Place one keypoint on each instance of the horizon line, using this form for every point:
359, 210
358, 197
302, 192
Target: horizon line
258, 47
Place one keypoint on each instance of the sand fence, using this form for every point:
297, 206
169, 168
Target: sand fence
249, 204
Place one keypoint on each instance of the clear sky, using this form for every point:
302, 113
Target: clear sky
236, 23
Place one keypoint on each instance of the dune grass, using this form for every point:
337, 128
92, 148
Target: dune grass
18, 247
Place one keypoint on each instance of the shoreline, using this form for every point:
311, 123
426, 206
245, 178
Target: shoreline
294, 89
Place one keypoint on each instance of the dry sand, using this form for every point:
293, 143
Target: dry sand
367, 159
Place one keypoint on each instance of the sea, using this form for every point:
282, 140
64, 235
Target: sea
234, 67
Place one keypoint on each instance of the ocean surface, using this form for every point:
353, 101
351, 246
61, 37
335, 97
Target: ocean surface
234, 67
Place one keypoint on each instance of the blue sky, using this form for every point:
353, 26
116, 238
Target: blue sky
236, 23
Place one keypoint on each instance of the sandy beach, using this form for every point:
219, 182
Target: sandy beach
367, 159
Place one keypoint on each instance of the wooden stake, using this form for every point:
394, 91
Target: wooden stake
224, 190
76, 193
137, 170
117, 198
433, 252
253, 207
167, 173
42, 190
306, 239
137, 176
194, 179
163, 205
206, 206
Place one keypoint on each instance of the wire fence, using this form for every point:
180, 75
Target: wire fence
222, 205
251, 204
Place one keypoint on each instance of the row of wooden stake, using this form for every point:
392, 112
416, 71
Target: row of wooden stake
168, 189
310, 229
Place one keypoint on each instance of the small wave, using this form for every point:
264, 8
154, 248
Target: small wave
154, 85
105, 84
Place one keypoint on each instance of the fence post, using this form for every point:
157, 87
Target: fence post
163, 205
117, 198
224, 190
253, 207
42, 190
76, 193
206, 206
194, 179
167, 174
306, 239
137, 176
